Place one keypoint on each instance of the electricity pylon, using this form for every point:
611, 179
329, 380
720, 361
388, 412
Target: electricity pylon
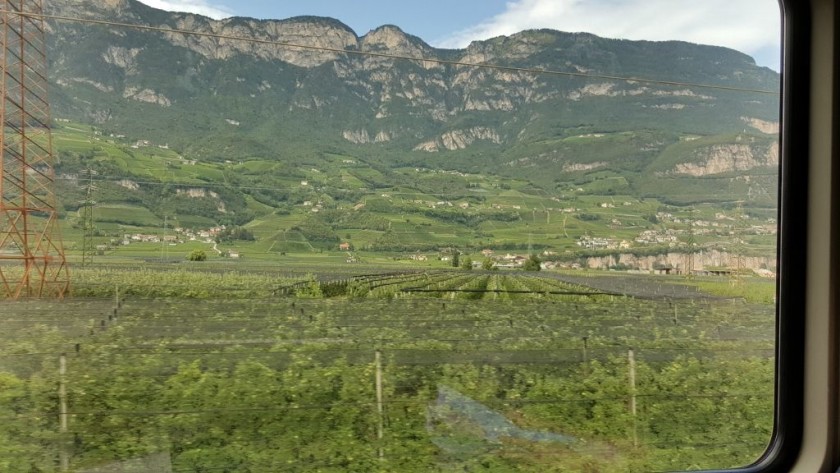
32, 259
87, 219
692, 244
737, 256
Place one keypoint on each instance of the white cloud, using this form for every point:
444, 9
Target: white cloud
746, 25
201, 7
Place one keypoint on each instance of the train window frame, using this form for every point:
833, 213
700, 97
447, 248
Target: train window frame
806, 382
805, 436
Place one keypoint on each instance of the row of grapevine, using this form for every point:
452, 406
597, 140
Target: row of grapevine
513, 380
312, 401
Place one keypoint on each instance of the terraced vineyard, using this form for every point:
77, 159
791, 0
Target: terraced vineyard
437, 371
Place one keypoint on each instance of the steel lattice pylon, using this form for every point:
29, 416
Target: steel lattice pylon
87, 218
32, 259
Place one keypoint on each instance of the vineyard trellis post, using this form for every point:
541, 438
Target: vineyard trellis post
585, 355
631, 361
380, 422
64, 455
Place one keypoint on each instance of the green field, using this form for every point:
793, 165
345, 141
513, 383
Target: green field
270, 368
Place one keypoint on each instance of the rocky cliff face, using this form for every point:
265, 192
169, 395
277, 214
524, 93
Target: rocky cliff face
295, 31
302, 81
703, 260
460, 139
87, 8
720, 159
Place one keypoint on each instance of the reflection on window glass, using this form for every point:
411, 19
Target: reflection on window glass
481, 237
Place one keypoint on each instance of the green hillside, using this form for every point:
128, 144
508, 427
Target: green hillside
308, 150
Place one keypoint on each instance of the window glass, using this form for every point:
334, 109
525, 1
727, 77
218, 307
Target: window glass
482, 236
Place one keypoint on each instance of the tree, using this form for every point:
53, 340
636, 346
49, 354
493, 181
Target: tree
456, 259
197, 255
466, 263
532, 263
487, 264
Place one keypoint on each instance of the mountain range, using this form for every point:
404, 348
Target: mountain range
680, 122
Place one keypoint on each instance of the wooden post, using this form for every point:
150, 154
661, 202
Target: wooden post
585, 356
379, 408
64, 456
631, 360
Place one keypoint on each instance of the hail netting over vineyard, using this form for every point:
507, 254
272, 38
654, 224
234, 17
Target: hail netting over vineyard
32, 260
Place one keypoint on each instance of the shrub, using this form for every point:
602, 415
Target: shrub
197, 255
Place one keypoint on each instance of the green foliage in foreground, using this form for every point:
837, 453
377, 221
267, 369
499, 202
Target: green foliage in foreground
289, 384
255, 413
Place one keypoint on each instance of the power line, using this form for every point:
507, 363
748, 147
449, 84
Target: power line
388, 55
139, 350
411, 458
116, 180
361, 191
408, 402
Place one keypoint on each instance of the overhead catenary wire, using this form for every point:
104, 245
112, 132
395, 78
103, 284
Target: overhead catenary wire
403, 402
266, 308
359, 191
316, 347
446, 62
411, 459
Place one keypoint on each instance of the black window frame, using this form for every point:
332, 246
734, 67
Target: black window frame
785, 450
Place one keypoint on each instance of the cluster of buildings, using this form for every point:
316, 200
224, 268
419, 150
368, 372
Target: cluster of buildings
181, 235
441, 171
658, 237
439, 203
600, 243
314, 207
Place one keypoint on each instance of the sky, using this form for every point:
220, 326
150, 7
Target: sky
750, 26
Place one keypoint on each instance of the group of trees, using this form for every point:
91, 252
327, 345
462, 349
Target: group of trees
530, 264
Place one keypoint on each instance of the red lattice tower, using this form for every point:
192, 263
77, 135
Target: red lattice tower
32, 259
